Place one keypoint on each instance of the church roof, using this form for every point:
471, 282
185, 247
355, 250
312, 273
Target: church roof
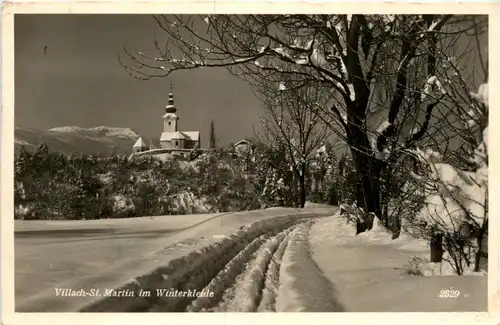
139, 143
190, 135
179, 136
243, 141
172, 115
193, 135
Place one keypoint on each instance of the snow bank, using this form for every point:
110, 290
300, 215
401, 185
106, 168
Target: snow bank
378, 234
360, 270
295, 295
422, 266
338, 230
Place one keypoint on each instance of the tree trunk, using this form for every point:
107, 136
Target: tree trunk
368, 168
302, 188
332, 195
395, 226
368, 189
384, 201
437, 248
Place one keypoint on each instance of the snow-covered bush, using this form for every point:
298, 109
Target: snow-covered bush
222, 184
274, 179
122, 206
456, 201
52, 186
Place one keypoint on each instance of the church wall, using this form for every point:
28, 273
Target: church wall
166, 145
182, 144
139, 149
179, 144
189, 144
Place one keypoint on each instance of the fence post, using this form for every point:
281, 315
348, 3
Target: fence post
436, 247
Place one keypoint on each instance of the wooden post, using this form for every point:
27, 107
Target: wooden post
436, 247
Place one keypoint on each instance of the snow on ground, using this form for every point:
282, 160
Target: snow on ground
271, 283
249, 285
370, 272
167, 252
302, 284
279, 260
226, 275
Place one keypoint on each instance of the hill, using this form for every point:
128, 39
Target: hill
102, 140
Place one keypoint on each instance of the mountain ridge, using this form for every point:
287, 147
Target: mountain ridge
99, 140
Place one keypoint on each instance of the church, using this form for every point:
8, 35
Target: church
172, 140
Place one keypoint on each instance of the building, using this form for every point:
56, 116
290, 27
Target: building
243, 148
139, 146
171, 138
172, 141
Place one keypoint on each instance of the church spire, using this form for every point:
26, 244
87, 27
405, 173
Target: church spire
170, 108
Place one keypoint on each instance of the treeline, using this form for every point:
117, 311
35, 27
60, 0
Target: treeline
50, 185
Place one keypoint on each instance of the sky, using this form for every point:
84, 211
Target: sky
80, 82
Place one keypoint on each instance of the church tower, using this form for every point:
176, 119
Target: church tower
170, 119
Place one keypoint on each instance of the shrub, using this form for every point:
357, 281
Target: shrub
52, 186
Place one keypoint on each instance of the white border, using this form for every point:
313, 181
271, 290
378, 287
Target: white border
220, 7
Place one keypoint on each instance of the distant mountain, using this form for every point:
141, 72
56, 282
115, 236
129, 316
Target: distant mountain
100, 140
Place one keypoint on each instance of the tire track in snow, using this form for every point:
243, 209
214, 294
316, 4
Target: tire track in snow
246, 294
271, 284
242, 270
217, 267
302, 285
225, 277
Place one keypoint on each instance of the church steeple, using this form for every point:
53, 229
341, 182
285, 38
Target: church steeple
170, 108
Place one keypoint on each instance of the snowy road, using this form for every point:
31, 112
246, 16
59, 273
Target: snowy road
181, 252
255, 269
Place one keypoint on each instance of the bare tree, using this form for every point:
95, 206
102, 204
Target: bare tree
364, 61
291, 121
